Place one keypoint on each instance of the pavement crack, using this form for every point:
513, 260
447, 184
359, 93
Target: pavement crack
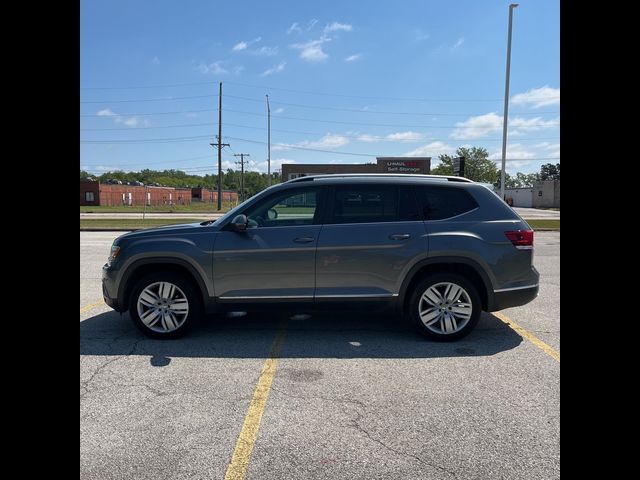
361, 429
87, 383
355, 424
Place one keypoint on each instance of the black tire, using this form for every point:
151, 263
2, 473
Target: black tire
435, 279
185, 287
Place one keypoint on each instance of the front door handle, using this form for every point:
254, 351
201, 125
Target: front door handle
303, 239
399, 236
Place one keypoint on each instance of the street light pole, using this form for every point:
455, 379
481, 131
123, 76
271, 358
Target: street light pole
268, 143
506, 104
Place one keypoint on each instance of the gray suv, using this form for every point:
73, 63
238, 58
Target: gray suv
439, 250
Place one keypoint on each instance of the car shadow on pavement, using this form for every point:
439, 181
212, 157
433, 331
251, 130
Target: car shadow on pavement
334, 335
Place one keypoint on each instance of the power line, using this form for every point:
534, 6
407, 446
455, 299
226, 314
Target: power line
301, 132
355, 110
299, 105
141, 114
150, 99
305, 92
296, 147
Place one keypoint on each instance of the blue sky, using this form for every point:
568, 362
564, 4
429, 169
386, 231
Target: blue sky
354, 79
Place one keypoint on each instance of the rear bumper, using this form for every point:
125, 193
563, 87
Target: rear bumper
513, 297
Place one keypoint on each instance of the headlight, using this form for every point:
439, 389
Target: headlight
115, 251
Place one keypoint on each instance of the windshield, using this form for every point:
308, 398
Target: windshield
234, 211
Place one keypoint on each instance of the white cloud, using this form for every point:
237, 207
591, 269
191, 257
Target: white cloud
551, 149
239, 46
353, 58
243, 45
312, 50
276, 164
419, 35
275, 69
458, 43
330, 140
279, 110
237, 70
213, 68
266, 51
132, 121
482, 125
405, 136
433, 149
478, 126
294, 28
538, 97
365, 137
335, 26
408, 136
521, 125
517, 156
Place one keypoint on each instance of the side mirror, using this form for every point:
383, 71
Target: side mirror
239, 223
272, 214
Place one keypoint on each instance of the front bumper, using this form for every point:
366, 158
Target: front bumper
110, 289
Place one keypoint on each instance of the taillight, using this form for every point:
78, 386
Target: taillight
521, 239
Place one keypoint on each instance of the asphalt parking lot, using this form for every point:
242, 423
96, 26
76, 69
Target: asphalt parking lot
357, 396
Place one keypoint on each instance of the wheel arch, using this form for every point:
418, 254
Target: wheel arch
144, 266
465, 267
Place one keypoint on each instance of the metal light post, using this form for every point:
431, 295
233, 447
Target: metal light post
506, 104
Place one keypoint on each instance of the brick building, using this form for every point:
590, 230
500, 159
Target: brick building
211, 196
95, 193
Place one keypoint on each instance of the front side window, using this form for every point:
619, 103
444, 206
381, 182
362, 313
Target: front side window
285, 209
439, 203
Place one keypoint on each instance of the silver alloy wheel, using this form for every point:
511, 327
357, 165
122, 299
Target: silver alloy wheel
163, 307
445, 308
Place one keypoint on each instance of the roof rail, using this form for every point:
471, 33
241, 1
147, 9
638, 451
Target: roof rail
310, 178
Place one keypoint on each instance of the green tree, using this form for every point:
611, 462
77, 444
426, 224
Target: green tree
521, 180
478, 167
549, 171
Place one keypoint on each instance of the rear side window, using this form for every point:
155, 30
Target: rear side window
438, 203
374, 204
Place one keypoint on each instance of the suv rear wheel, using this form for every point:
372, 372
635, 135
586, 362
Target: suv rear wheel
164, 305
444, 307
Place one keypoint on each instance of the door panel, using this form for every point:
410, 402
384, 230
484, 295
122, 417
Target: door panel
370, 240
265, 262
274, 259
364, 260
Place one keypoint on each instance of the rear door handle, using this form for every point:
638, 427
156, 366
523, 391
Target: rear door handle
303, 239
399, 236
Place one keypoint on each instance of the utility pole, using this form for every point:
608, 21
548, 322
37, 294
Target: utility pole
506, 104
219, 145
268, 143
241, 162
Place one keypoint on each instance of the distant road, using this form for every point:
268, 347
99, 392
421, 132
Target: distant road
536, 213
204, 216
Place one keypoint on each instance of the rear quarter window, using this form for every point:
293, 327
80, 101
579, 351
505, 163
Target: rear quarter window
439, 203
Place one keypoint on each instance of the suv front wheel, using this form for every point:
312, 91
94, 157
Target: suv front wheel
164, 305
444, 307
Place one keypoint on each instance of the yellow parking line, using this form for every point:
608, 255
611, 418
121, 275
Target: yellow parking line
237, 468
89, 307
553, 353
